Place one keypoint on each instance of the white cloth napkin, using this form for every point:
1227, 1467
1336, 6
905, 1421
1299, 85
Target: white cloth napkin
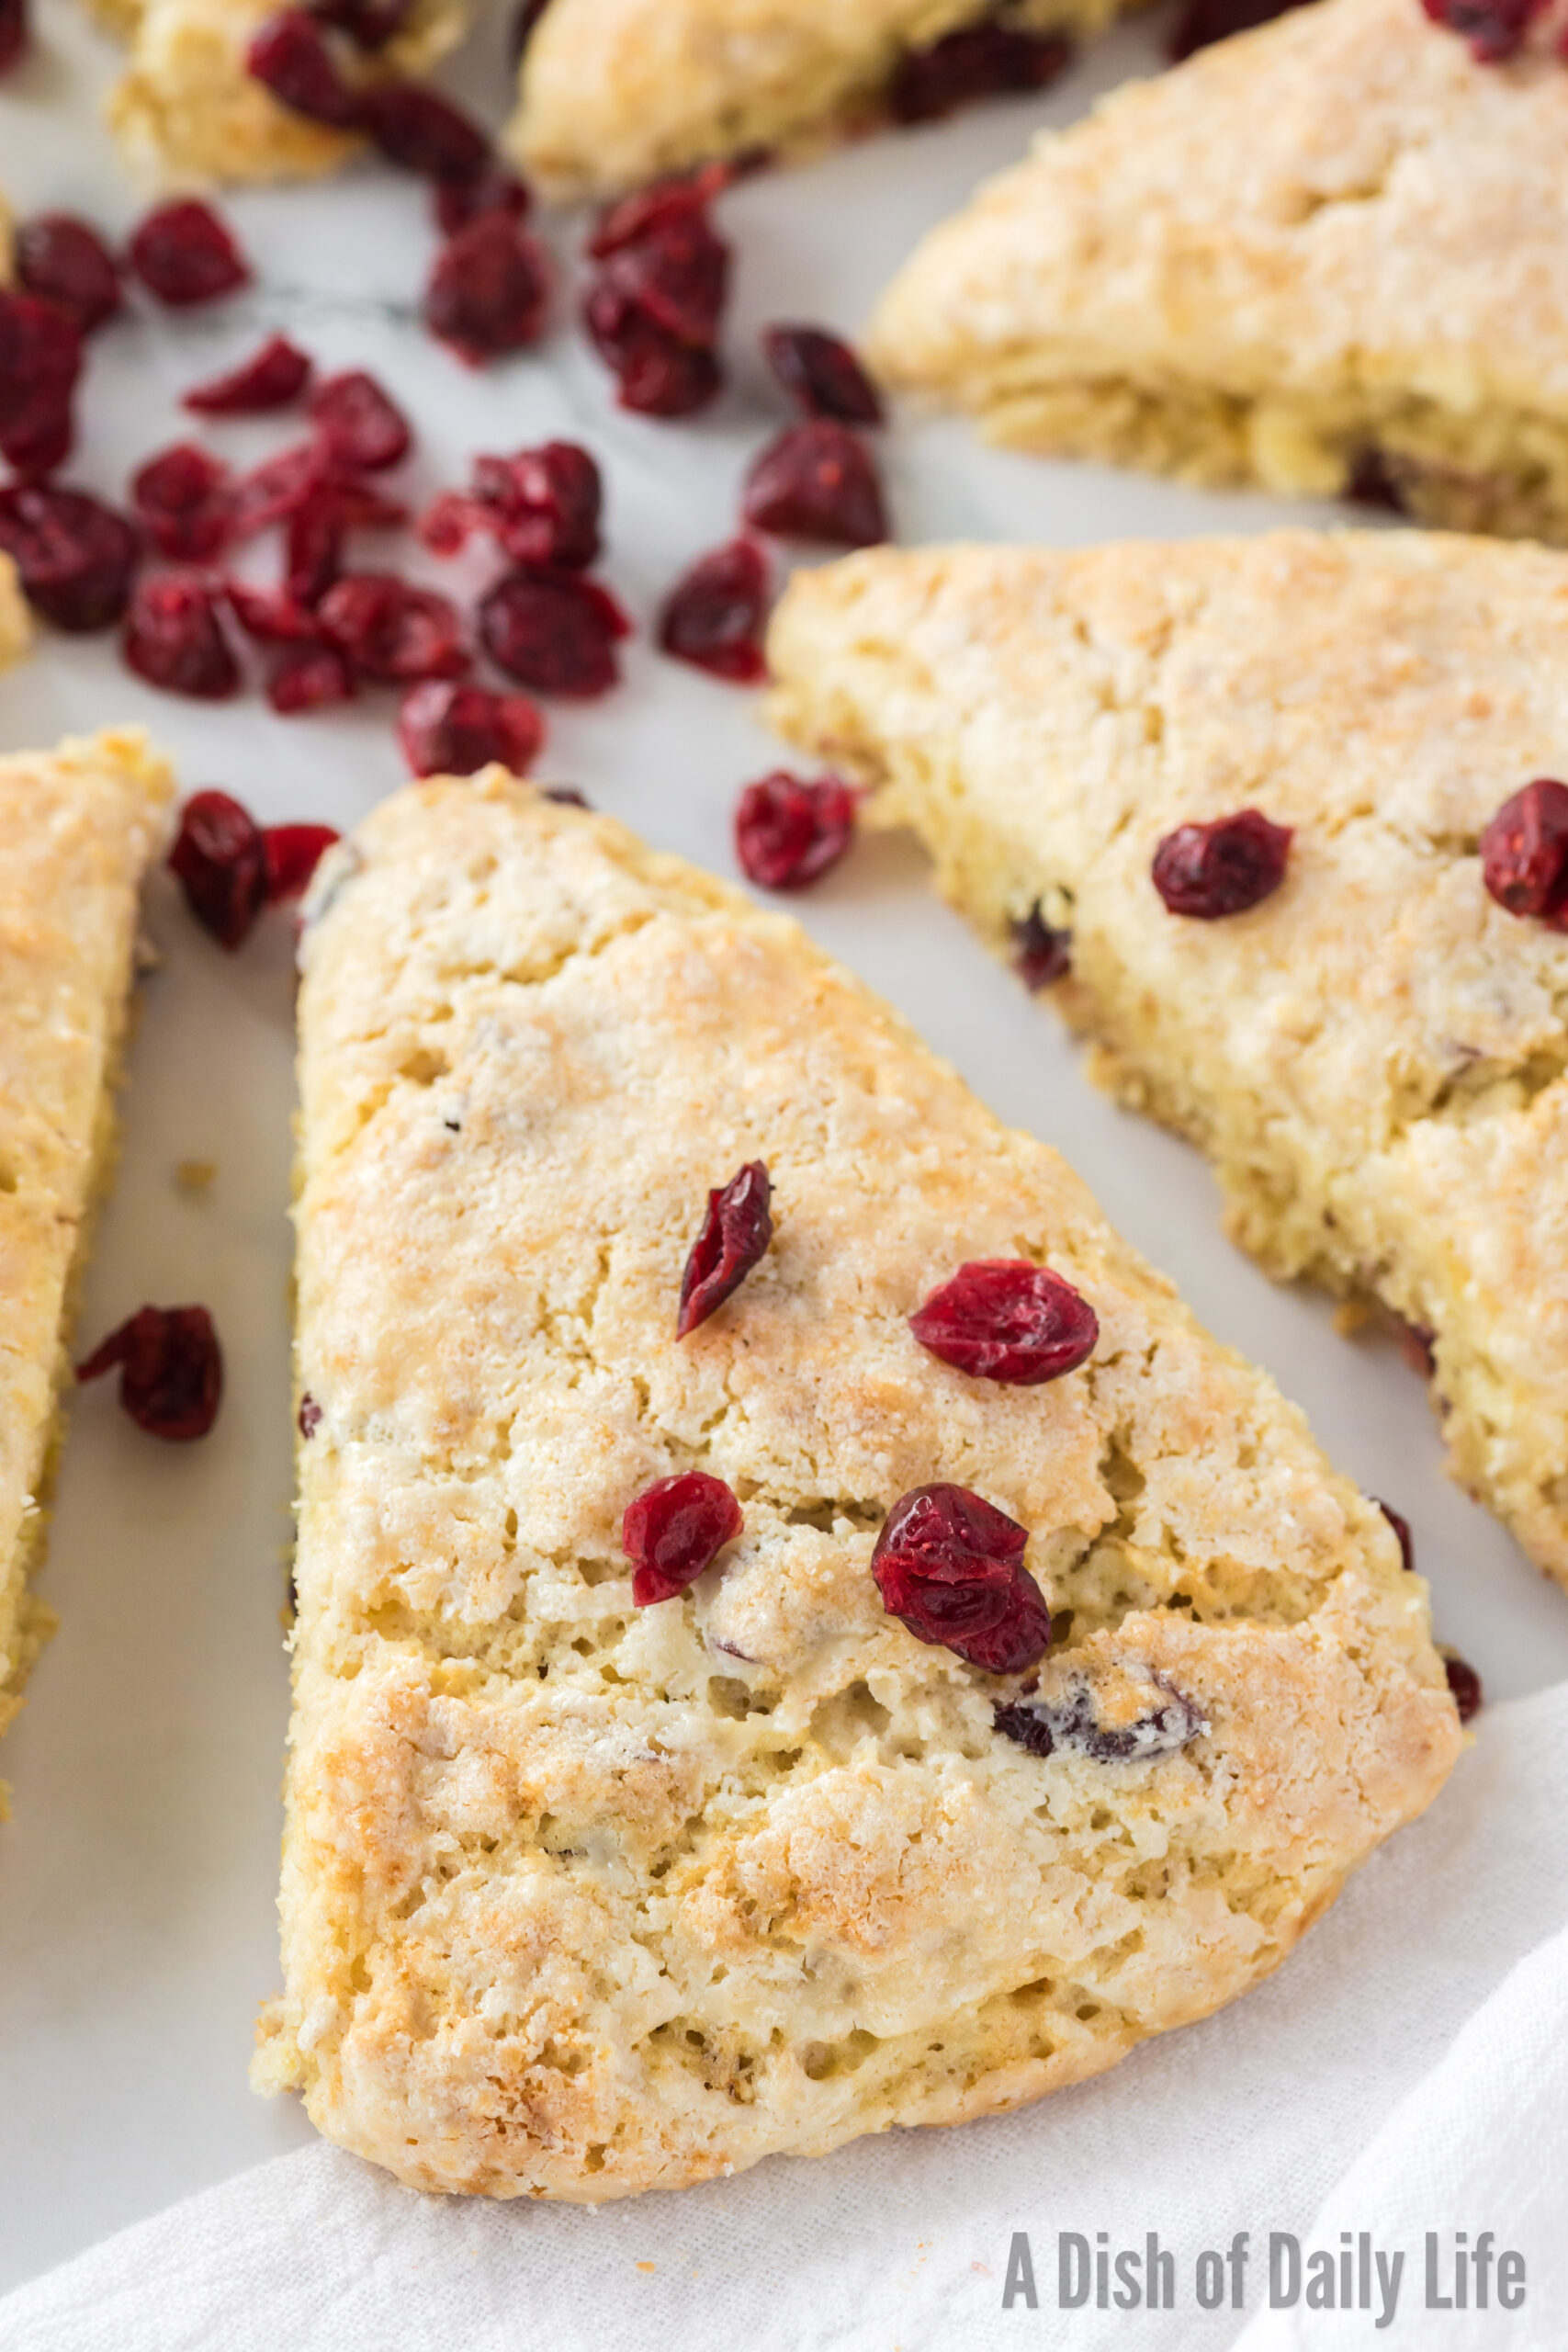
1406, 2072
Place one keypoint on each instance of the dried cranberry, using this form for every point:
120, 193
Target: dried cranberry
270, 615
1524, 851
656, 373
369, 24
977, 62
40, 358
15, 32
183, 253
289, 56
278, 486
678, 277
817, 482
1041, 954
1400, 1527
1494, 29
487, 292
541, 505
553, 631
64, 261
459, 201
309, 677
1002, 1319
1222, 868
361, 427
1374, 477
788, 833
675, 1529
293, 853
314, 559
567, 795
220, 859
392, 633
950, 1567
309, 1416
821, 375
1072, 1722
1465, 1684
173, 638
171, 1370
448, 729
75, 557
1204, 21
737, 1228
270, 378
714, 615
660, 208
423, 132
181, 497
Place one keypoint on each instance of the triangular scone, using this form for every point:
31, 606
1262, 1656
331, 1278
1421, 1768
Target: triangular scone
581, 1899
1331, 253
1374, 1057
188, 110
614, 92
78, 828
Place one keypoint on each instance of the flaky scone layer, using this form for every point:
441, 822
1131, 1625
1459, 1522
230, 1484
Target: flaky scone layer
1333, 240
614, 92
1374, 1058
578, 1899
78, 828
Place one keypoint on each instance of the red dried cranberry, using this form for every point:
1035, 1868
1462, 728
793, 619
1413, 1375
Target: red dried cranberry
979, 62
1222, 868
183, 253
75, 557
663, 207
369, 24
655, 374
423, 132
272, 616
677, 277
553, 631
181, 497
15, 33
390, 632
1465, 1684
361, 427
173, 638
289, 55
309, 677
278, 485
567, 795
1494, 29
1041, 954
1375, 476
459, 201
737, 1228
714, 615
309, 1416
950, 1567
1204, 21
1524, 851
788, 833
675, 1529
220, 858
314, 558
1002, 1319
447, 729
40, 358
486, 295
821, 375
1400, 1527
171, 1370
541, 505
817, 482
293, 853
64, 261
270, 378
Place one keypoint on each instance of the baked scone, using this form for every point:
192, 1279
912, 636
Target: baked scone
582, 1898
613, 92
187, 111
1329, 254
78, 828
1373, 1057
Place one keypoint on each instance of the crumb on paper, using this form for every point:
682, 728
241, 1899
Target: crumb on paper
647, 2266
1353, 1315
195, 1175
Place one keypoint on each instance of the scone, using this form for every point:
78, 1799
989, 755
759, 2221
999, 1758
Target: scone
1328, 256
77, 830
188, 110
583, 1897
1373, 1056
614, 92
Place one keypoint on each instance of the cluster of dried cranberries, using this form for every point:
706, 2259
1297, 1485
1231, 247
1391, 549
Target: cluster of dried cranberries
229, 867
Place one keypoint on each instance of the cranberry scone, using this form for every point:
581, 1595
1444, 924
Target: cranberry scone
189, 109
78, 827
775, 1657
613, 92
1329, 256
1277, 818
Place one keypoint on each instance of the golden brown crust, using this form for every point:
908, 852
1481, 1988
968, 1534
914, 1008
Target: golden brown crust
578, 1899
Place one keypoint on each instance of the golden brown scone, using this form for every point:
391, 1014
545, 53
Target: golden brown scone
613, 92
1332, 251
1374, 1057
581, 1899
78, 828
187, 111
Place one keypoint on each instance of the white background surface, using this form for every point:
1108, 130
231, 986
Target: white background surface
137, 1876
